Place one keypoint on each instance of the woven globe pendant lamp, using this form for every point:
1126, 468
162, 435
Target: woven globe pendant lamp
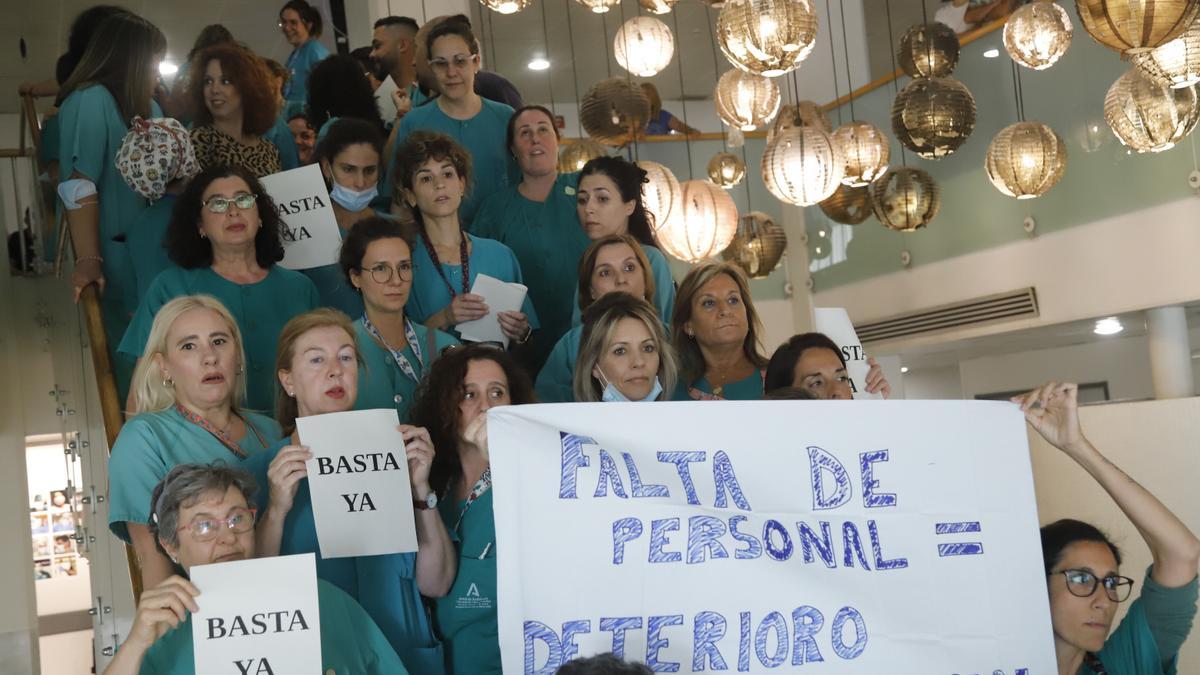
1131, 26
1026, 159
767, 37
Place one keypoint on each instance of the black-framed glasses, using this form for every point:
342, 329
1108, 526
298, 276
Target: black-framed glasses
460, 61
1082, 584
207, 529
242, 200
382, 272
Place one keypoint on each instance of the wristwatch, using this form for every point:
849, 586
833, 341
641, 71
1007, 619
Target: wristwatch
428, 504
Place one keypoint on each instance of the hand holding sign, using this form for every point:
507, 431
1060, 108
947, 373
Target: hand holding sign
876, 382
419, 449
284, 476
1053, 411
465, 307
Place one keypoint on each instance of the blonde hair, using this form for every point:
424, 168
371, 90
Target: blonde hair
599, 323
150, 391
286, 407
691, 360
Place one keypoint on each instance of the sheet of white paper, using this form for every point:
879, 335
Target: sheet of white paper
358, 478
500, 296
895, 537
309, 229
835, 322
257, 616
383, 98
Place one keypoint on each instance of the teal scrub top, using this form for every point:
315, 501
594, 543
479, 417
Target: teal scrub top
335, 289
152, 443
384, 585
664, 288
91, 129
261, 310
556, 381
300, 63
281, 137
381, 383
1148, 639
350, 641
466, 616
492, 167
548, 242
430, 293
747, 389
145, 243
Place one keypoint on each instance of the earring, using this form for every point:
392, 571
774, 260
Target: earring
292, 394
203, 235
241, 369
168, 383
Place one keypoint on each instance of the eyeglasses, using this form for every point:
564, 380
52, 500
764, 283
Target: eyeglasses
460, 61
493, 346
382, 272
242, 200
1082, 584
207, 529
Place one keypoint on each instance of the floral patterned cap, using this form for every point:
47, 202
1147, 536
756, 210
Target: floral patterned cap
154, 153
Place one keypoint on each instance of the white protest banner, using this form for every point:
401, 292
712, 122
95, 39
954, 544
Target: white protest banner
860, 537
835, 322
358, 477
258, 616
308, 228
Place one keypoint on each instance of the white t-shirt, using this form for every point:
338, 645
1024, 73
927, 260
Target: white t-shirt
953, 16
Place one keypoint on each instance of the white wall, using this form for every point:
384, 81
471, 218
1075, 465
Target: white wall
940, 383
1123, 362
1155, 443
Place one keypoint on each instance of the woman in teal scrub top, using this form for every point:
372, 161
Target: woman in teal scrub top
453, 402
318, 370
434, 172
202, 515
715, 332
188, 391
609, 201
113, 82
537, 220
1082, 565
301, 24
224, 240
623, 352
476, 123
350, 156
396, 351
613, 263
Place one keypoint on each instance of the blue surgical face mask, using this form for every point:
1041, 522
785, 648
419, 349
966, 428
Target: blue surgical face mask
611, 393
351, 200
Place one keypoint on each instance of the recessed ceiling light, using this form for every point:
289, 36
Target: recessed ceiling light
903, 369
539, 64
991, 53
167, 68
1109, 326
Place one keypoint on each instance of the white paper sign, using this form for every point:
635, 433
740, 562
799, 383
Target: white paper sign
383, 98
309, 229
835, 322
862, 537
500, 296
258, 616
358, 477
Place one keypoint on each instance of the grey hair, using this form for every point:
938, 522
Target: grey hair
183, 486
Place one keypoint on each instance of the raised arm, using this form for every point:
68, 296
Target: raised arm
1053, 411
283, 479
436, 561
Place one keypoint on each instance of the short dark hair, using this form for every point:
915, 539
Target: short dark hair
629, 178
362, 234
1060, 534
511, 134
369, 65
184, 245
308, 14
602, 664
301, 116
345, 132
406, 21
455, 25
781, 368
422, 146
338, 87
185, 484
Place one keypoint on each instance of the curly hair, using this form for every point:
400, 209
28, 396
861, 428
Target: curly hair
629, 178
422, 146
439, 395
338, 87
183, 242
248, 74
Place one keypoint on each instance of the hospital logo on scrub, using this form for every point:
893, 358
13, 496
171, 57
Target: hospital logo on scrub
472, 599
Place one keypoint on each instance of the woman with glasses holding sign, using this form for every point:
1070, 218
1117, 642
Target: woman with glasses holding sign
434, 172
613, 263
623, 353
377, 259
317, 373
475, 122
201, 515
188, 391
224, 240
453, 402
1082, 564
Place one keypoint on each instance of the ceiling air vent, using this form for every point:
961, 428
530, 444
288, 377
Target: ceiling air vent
975, 312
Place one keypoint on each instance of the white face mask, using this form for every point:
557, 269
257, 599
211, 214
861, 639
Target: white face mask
352, 200
611, 393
